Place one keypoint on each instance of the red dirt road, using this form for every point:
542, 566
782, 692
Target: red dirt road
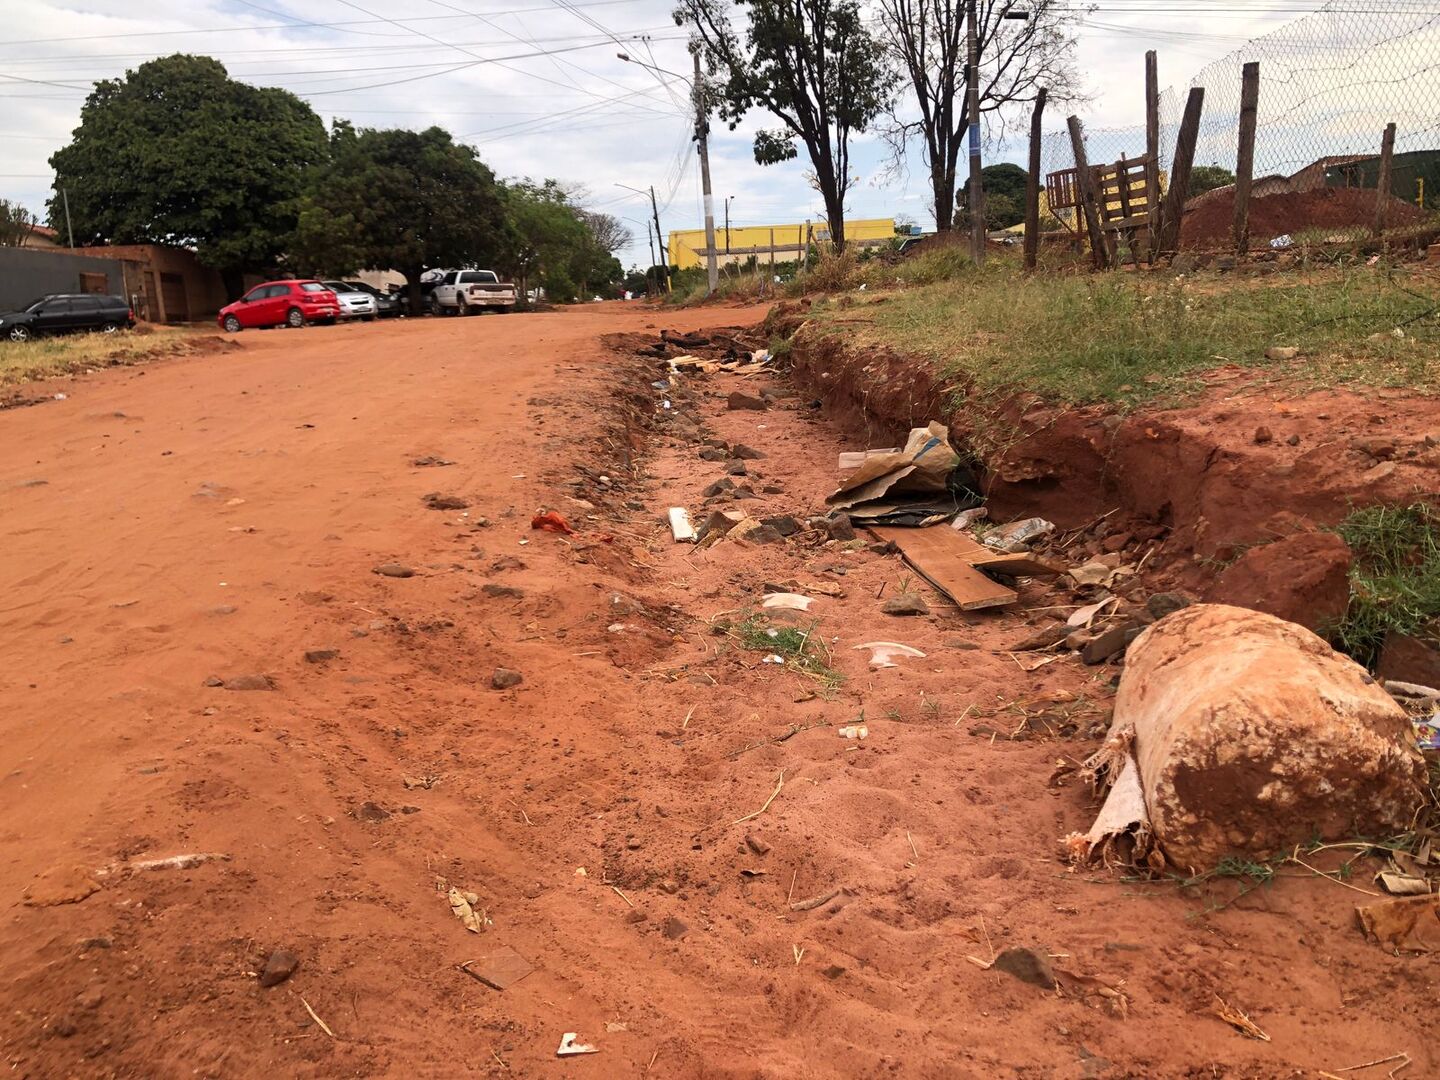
220, 516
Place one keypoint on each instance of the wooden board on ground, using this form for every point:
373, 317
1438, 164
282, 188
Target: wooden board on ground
1021, 565
942, 556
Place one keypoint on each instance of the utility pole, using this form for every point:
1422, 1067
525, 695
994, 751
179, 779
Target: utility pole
650, 273
972, 110
702, 137
65, 198
660, 237
728, 199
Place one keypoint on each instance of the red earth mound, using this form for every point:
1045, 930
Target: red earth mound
1210, 223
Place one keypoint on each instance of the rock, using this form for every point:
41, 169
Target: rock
960, 643
735, 468
214, 681
279, 967
1225, 262
755, 844
764, 534
711, 453
1281, 352
773, 489
507, 592
394, 569
319, 656
224, 609
1042, 638
437, 501
784, 524
905, 604
1303, 578
1252, 735
1162, 604
718, 523
718, 444
1184, 264
253, 681
1410, 659
1028, 965
1263, 435
505, 678
61, 885
674, 929
719, 487
370, 811
670, 885
1108, 643
1293, 440
739, 400
1117, 541
839, 528
1379, 448
507, 562
430, 461
748, 453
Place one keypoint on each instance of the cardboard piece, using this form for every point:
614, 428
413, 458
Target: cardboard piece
500, 969
922, 467
943, 558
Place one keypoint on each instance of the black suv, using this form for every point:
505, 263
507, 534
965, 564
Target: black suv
66, 313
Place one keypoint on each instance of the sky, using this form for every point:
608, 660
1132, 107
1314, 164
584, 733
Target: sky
539, 89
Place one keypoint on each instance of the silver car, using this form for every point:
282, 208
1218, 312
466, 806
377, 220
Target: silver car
353, 303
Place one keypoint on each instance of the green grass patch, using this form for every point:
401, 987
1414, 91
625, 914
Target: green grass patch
802, 648
1078, 338
45, 357
1395, 578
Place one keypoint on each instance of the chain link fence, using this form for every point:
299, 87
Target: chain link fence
1329, 84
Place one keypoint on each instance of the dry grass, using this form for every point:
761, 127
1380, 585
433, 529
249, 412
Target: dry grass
50, 356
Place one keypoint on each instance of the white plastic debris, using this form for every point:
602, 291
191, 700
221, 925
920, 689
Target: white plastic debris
1282, 242
1017, 536
773, 658
966, 518
788, 600
854, 731
883, 653
569, 1046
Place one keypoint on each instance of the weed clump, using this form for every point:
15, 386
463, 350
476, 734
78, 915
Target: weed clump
1395, 578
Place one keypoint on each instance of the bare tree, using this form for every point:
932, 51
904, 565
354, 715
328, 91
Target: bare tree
813, 64
927, 40
16, 224
610, 234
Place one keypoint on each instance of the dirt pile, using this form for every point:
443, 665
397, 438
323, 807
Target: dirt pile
1211, 222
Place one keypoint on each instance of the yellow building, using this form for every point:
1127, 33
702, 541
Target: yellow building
785, 242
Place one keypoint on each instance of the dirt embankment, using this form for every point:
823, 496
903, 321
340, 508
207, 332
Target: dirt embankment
1210, 223
1244, 464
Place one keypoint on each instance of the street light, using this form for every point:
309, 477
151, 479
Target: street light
702, 140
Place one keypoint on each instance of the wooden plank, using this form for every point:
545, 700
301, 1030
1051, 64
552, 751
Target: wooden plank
940, 556
1245, 154
680, 527
1085, 182
1023, 564
1382, 182
1173, 209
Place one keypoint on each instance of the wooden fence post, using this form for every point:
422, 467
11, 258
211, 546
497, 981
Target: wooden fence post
1382, 182
1173, 208
1152, 149
1245, 155
1032, 184
1085, 191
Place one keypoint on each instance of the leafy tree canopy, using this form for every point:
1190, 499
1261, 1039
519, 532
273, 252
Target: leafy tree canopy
177, 152
1209, 177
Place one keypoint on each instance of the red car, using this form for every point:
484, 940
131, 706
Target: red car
281, 303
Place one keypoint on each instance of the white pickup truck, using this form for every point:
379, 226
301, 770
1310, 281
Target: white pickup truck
465, 292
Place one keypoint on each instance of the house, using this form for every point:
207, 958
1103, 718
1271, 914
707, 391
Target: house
41, 236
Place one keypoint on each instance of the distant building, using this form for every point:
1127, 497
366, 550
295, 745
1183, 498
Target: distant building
162, 283
41, 236
736, 246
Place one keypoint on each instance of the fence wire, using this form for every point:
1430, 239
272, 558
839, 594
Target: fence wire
1329, 84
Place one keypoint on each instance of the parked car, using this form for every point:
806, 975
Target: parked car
66, 313
354, 303
388, 305
464, 292
280, 303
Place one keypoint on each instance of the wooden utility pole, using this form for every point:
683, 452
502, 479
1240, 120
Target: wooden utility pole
1245, 155
1032, 183
1382, 181
1173, 208
1152, 149
650, 274
972, 112
1085, 195
660, 237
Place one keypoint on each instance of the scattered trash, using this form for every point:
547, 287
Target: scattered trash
884, 653
569, 1047
500, 969
551, 521
1411, 924
680, 528
947, 560
1093, 573
1086, 615
1017, 536
465, 907
1403, 884
773, 658
788, 601
1281, 352
917, 485
966, 518
1280, 243
850, 460
1215, 690
61, 397
853, 731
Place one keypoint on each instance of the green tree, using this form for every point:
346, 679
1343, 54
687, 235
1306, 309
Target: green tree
557, 245
1205, 178
16, 224
813, 64
1004, 195
398, 200
177, 152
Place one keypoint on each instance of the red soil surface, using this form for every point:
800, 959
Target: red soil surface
1211, 223
221, 516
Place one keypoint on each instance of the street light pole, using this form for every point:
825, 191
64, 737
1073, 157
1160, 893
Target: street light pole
702, 138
